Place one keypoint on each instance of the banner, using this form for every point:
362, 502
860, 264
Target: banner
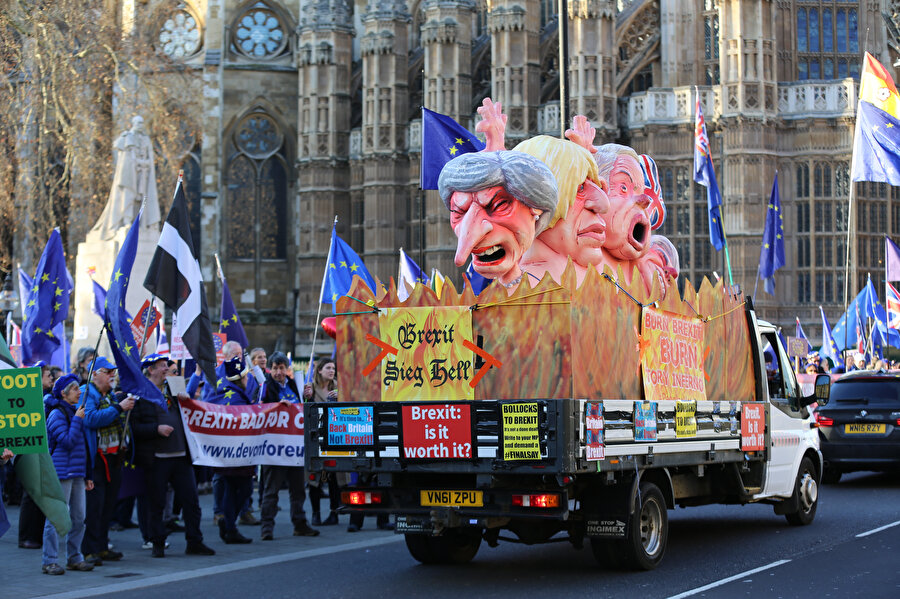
437, 432
521, 438
229, 436
22, 426
671, 356
429, 355
177, 350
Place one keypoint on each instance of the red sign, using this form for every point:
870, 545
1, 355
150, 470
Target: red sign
144, 323
753, 427
434, 431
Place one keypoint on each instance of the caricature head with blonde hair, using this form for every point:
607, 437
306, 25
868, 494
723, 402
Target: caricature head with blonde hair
577, 228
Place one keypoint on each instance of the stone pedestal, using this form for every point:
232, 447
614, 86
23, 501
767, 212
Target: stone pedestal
99, 255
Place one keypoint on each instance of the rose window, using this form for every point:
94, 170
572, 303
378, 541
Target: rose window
259, 34
258, 136
179, 35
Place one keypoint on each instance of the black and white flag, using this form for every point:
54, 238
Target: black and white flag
174, 277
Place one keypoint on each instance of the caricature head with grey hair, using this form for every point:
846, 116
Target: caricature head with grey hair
499, 202
628, 231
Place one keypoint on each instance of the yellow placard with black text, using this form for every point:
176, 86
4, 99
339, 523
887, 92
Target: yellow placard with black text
521, 436
431, 362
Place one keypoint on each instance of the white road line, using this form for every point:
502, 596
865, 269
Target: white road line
879, 529
220, 569
719, 583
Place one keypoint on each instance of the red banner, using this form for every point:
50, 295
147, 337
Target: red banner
437, 432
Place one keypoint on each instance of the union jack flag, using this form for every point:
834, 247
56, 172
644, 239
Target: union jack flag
652, 189
893, 307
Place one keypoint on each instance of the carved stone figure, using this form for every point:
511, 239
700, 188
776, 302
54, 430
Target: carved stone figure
134, 182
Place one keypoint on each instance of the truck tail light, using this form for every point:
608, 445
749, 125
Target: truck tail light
824, 421
361, 497
329, 463
544, 500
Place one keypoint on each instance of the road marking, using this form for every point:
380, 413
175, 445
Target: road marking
719, 583
879, 529
221, 569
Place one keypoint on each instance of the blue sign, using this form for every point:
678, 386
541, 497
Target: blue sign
645, 421
351, 426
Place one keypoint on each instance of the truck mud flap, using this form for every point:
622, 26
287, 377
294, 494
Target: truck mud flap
610, 529
414, 525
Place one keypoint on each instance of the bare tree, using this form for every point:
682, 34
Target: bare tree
70, 79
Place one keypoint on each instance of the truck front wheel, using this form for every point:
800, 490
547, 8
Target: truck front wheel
646, 535
807, 491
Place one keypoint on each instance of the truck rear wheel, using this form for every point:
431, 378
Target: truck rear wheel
806, 489
455, 546
647, 534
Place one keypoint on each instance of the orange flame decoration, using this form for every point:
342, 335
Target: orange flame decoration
558, 341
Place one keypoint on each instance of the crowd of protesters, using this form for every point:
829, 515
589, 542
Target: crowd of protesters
116, 453
814, 364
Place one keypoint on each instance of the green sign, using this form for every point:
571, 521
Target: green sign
22, 426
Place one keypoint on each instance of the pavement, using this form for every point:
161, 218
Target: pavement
21, 577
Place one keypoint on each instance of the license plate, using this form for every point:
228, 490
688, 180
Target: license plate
862, 428
453, 498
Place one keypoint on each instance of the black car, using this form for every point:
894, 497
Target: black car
859, 428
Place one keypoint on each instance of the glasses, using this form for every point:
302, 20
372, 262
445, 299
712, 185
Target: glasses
105, 371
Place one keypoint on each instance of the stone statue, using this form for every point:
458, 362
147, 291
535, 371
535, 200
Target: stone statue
133, 183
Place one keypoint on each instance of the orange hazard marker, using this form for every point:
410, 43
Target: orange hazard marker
489, 361
386, 349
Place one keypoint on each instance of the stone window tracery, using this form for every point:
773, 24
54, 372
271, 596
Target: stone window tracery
260, 33
180, 35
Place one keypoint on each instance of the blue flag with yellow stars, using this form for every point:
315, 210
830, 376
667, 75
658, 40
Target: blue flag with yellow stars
829, 348
47, 305
771, 255
126, 354
343, 263
443, 139
230, 323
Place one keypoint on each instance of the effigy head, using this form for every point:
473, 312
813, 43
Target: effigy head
628, 231
577, 228
498, 202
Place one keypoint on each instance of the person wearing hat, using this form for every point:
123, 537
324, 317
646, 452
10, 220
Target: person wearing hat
66, 441
104, 425
161, 449
238, 481
814, 360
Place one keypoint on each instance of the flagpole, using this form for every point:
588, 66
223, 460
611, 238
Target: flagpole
312, 350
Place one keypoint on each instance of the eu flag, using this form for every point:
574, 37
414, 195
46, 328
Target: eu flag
829, 348
706, 175
230, 323
48, 303
799, 334
479, 283
343, 263
443, 139
60, 355
876, 147
771, 255
118, 324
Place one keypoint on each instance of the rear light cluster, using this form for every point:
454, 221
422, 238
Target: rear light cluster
823, 420
544, 500
360, 497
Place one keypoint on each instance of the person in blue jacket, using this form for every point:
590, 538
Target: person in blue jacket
104, 427
65, 438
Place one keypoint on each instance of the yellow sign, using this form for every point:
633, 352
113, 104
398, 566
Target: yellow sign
685, 419
521, 440
428, 360
671, 356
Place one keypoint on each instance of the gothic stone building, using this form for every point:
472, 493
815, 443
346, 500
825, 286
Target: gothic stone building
312, 109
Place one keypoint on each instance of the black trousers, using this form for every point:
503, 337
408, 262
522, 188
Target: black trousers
334, 493
273, 478
100, 503
31, 521
180, 473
